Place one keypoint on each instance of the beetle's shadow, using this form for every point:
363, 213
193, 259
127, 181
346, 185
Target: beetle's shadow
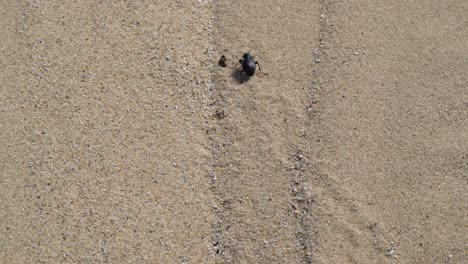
239, 76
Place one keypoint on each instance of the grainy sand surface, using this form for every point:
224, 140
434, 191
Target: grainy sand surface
123, 141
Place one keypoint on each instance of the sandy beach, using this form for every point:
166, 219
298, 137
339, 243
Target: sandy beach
124, 141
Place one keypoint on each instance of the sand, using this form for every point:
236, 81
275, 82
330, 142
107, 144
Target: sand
123, 140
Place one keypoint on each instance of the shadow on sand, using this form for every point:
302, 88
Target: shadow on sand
239, 76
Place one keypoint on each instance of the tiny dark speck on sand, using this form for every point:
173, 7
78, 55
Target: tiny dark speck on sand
222, 61
220, 114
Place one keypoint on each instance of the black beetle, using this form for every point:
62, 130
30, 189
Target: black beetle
249, 65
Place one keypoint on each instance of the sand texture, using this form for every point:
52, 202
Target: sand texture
123, 141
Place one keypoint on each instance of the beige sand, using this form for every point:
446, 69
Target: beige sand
350, 146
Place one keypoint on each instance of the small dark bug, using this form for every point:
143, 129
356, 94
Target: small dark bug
249, 65
222, 61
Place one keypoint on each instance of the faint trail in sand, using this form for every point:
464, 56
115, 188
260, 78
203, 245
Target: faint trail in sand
391, 122
264, 209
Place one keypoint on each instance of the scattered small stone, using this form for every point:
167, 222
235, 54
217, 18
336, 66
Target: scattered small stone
216, 247
391, 252
299, 156
222, 61
220, 114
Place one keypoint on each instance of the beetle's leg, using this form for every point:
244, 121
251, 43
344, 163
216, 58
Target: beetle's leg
240, 61
258, 65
